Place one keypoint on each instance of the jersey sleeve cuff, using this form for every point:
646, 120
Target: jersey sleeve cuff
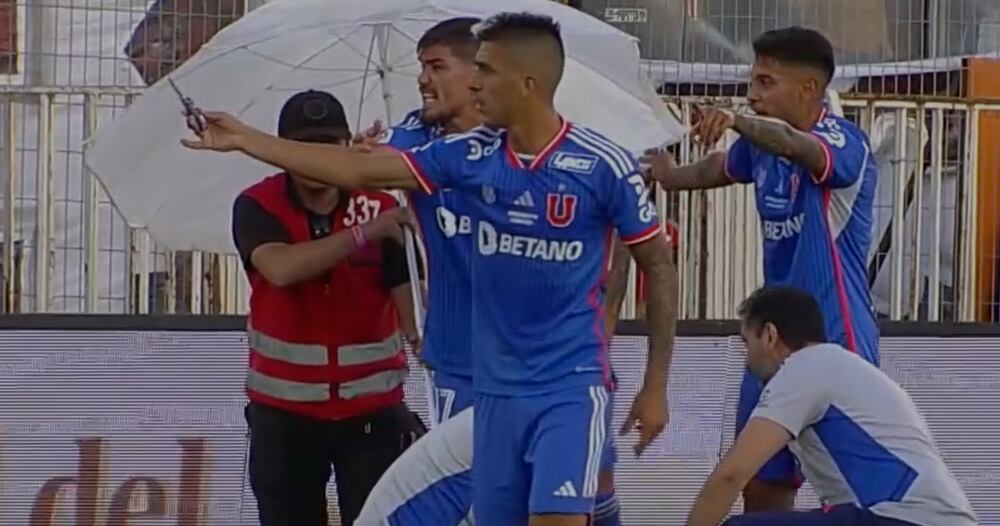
781, 422
426, 184
642, 236
824, 176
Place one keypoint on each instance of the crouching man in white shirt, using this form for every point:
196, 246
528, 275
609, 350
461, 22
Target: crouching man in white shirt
858, 436
430, 484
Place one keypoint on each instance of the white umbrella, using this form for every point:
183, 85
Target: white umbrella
362, 51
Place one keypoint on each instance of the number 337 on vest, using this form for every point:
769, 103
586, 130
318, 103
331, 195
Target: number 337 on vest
360, 210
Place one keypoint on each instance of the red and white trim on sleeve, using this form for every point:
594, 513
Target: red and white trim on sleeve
426, 185
828, 161
645, 235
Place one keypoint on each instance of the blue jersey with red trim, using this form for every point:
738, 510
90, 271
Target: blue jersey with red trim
446, 232
543, 229
817, 229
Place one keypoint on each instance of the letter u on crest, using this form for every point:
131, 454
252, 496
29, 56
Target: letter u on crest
560, 209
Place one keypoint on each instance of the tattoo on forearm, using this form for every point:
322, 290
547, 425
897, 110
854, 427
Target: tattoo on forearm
661, 304
661, 313
708, 172
616, 283
773, 136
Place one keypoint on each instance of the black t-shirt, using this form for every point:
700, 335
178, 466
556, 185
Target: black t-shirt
253, 226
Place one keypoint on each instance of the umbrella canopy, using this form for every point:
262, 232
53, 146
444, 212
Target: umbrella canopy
362, 51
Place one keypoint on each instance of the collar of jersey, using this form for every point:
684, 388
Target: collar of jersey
542, 155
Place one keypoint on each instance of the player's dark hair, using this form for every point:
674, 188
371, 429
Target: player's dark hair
456, 34
544, 53
519, 26
793, 312
799, 46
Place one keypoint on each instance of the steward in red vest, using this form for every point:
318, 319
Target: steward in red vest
329, 294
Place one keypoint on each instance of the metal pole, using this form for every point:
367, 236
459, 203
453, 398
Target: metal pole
12, 271
197, 279
43, 205
381, 35
967, 239
917, 274
933, 27
898, 249
142, 247
937, 161
90, 208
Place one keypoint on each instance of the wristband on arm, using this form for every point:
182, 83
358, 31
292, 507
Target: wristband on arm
359, 236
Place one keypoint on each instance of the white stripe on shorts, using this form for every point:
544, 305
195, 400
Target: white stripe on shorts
598, 432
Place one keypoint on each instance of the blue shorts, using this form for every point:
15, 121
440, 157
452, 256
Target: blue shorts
782, 467
452, 394
845, 515
538, 454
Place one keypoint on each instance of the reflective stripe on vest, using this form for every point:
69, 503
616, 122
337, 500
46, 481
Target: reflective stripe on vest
316, 354
382, 382
293, 391
287, 389
363, 353
296, 353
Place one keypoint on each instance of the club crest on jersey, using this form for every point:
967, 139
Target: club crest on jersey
580, 163
489, 194
760, 177
793, 185
560, 209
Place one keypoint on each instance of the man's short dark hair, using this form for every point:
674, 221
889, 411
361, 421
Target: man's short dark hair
793, 312
456, 34
518, 26
799, 46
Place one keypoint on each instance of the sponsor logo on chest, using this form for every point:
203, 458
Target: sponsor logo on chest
580, 163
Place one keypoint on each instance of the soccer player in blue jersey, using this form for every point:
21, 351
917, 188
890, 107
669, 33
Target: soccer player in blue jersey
545, 197
430, 483
446, 52
815, 178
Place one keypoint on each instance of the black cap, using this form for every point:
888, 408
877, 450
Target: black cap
313, 114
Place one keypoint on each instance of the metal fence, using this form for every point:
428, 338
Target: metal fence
72, 252
69, 250
862, 31
72, 65
923, 263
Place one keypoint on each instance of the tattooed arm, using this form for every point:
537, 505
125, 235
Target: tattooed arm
781, 138
709, 172
771, 135
616, 285
649, 410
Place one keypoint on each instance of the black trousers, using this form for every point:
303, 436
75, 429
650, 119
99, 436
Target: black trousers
291, 457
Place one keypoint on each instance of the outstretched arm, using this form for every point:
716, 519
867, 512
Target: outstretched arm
708, 172
326, 163
333, 164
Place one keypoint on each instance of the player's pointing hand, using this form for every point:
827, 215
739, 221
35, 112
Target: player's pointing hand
710, 124
367, 140
649, 414
658, 165
223, 133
